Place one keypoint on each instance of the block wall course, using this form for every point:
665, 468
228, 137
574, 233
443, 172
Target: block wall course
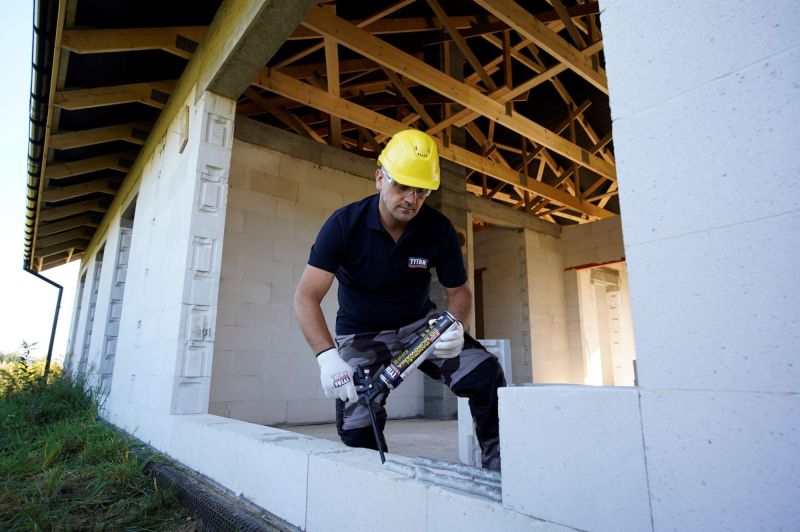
277, 217
738, 456
735, 308
696, 56
586, 450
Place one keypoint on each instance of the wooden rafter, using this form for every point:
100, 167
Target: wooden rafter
531, 28
368, 45
361, 24
409, 96
79, 243
87, 220
59, 259
284, 115
177, 40
576, 36
411, 24
154, 94
104, 186
461, 43
84, 233
319, 99
332, 81
115, 161
135, 133
49, 214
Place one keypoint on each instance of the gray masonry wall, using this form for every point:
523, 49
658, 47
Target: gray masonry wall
279, 197
549, 345
599, 242
505, 301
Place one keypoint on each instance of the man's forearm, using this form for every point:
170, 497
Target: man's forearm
459, 304
313, 325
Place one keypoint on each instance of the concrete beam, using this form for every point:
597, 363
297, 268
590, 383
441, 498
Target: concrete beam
502, 216
243, 37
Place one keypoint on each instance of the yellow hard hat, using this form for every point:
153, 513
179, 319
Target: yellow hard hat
411, 158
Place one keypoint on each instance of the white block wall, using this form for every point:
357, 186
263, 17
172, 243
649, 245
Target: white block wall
705, 131
163, 359
263, 369
308, 481
574, 455
505, 286
549, 340
531, 294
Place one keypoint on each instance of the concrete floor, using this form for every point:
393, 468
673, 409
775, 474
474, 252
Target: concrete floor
429, 438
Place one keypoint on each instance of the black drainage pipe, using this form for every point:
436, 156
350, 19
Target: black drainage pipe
55, 318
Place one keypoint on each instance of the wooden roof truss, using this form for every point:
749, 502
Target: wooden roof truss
353, 83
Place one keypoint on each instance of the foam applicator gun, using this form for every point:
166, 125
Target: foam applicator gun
390, 377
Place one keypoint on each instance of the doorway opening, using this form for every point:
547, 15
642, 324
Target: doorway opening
608, 348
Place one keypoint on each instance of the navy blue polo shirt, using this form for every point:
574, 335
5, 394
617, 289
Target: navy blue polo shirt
385, 284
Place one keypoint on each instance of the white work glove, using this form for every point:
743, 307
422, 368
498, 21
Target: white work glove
336, 376
451, 342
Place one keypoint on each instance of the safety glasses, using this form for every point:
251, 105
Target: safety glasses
406, 190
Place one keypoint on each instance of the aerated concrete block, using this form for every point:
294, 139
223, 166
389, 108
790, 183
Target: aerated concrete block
344, 486
709, 150
449, 510
274, 472
697, 54
573, 455
720, 460
718, 309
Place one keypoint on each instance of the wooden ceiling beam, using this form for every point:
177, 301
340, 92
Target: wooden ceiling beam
291, 88
121, 162
87, 220
176, 40
153, 93
284, 115
104, 186
531, 28
134, 132
374, 48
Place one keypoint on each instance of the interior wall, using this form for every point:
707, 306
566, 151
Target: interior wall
598, 243
263, 370
501, 253
548, 316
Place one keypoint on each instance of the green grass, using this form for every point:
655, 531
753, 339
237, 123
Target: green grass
61, 468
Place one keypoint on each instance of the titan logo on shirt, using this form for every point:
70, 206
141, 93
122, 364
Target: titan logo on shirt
417, 262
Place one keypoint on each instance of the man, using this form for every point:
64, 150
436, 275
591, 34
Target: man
381, 250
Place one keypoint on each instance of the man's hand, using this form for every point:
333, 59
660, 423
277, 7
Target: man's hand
451, 342
336, 376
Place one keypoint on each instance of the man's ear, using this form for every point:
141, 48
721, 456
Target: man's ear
378, 179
